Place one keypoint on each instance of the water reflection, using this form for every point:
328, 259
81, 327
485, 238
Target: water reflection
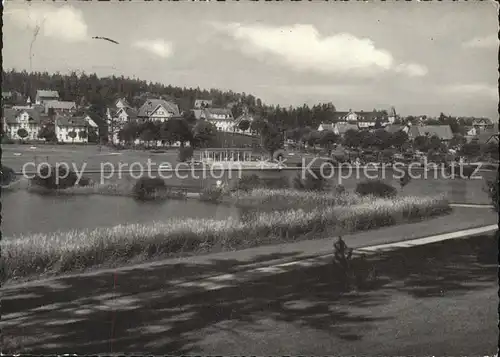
24, 212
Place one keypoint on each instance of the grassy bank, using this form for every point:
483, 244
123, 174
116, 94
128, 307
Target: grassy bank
287, 198
38, 255
124, 189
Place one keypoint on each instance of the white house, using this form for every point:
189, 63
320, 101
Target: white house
43, 96
27, 119
158, 110
220, 117
364, 120
65, 125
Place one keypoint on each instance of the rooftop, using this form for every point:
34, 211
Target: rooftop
152, 104
56, 104
44, 93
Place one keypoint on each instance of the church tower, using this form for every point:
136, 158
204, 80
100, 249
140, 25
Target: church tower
392, 115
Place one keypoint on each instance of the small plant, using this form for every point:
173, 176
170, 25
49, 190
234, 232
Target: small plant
375, 188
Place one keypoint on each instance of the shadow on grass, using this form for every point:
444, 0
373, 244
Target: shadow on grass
144, 310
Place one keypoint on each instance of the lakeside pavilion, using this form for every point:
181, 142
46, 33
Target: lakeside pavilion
226, 154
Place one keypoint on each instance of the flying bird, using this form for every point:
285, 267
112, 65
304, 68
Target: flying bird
105, 38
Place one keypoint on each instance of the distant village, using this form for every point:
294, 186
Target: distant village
48, 118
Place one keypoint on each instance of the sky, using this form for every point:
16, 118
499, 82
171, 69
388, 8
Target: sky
420, 57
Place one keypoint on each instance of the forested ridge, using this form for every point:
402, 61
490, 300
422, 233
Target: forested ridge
101, 92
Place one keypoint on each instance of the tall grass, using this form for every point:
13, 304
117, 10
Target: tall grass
55, 253
286, 198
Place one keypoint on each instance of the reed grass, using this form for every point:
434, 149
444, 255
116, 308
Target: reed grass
33, 256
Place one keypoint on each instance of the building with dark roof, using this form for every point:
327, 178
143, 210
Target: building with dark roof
60, 106
443, 132
158, 110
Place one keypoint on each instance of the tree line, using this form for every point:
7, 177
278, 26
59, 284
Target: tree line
98, 93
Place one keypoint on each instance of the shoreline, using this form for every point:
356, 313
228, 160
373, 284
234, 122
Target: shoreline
63, 252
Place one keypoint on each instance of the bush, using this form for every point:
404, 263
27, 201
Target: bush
56, 178
147, 188
376, 188
185, 154
310, 181
7, 175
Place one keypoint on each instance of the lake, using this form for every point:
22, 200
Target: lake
24, 212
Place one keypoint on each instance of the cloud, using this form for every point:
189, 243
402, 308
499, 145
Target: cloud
302, 48
65, 23
412, 69
480, 89
157, 47
485, 42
